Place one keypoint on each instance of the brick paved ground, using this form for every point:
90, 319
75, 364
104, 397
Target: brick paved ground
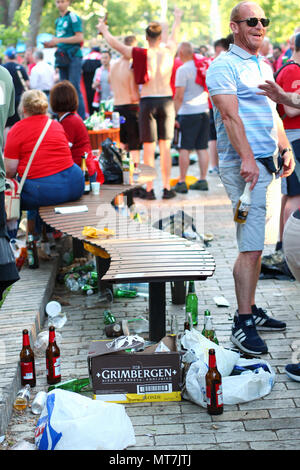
272, 422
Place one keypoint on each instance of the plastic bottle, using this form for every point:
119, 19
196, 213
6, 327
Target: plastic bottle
243, 206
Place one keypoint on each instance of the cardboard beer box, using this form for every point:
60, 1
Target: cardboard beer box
121, 376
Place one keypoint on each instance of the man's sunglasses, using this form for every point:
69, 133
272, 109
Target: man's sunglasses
254, 21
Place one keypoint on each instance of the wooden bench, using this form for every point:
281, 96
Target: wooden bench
135, 253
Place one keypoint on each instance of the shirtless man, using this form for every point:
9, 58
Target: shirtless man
126, 101
157, 113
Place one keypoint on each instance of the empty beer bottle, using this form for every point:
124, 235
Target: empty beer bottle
206, 315
73, 385
32, 254
191, 303
53, 359
125, 293
109, 318
27, 362
243, 206
188, 324
208, 330
22, 399
213, 380
87, 183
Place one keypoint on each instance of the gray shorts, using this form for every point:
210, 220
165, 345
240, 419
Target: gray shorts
251, 235
291, 245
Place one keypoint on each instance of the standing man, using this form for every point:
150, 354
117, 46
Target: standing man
191, 107
68, 40
42, 74
101, 81
157, 113
249, 136
8, 270
126, 101
20, 81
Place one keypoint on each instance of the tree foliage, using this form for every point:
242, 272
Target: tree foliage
132, 17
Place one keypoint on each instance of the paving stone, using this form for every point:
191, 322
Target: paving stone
270, 423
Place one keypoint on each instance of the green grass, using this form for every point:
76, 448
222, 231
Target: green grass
4, 295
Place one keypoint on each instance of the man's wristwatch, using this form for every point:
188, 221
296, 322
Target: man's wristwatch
287, 149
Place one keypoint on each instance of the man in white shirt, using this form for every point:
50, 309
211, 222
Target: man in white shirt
191, 106
42, 74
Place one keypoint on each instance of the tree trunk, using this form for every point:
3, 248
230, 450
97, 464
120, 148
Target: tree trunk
13, 6
34, 22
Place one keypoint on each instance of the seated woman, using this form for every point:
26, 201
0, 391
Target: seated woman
64, 103
53, 178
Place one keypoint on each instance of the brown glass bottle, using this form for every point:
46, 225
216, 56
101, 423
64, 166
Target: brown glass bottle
27, 362
87, 183
53, 359
213, 381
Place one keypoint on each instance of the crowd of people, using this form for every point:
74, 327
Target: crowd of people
221, 100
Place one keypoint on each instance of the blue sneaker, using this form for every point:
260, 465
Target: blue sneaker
293, 371
265, 323
245, 337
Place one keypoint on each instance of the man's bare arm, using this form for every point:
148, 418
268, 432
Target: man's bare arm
102, 28
228, 107
273, 91
76, 39
172, 39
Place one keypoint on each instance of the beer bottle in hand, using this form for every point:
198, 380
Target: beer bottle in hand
32, 253
213, 381
27, 362
87, 183
53, 359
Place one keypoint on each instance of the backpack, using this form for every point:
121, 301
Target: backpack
289, 62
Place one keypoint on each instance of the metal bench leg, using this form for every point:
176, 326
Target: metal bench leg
102, 265
178, 290
157, 311
78, 250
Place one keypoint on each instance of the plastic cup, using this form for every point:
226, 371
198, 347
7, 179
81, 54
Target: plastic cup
53, 308
38, 403
95, 187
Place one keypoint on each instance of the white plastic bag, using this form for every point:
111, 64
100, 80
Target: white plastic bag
70, 421
236, 389
195, 342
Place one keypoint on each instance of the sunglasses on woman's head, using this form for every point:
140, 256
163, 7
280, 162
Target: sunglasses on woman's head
254, 21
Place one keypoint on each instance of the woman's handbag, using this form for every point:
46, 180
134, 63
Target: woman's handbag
13, 187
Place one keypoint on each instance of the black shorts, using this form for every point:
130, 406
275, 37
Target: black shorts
212, 127
156, 119
194, 130
129, 130
292, 181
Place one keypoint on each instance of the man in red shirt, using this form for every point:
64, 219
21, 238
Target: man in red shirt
289, 79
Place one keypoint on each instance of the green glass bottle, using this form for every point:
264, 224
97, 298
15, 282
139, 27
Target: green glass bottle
73, 385
125, 293
206, 315
209, 332
109, 319
191, 303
